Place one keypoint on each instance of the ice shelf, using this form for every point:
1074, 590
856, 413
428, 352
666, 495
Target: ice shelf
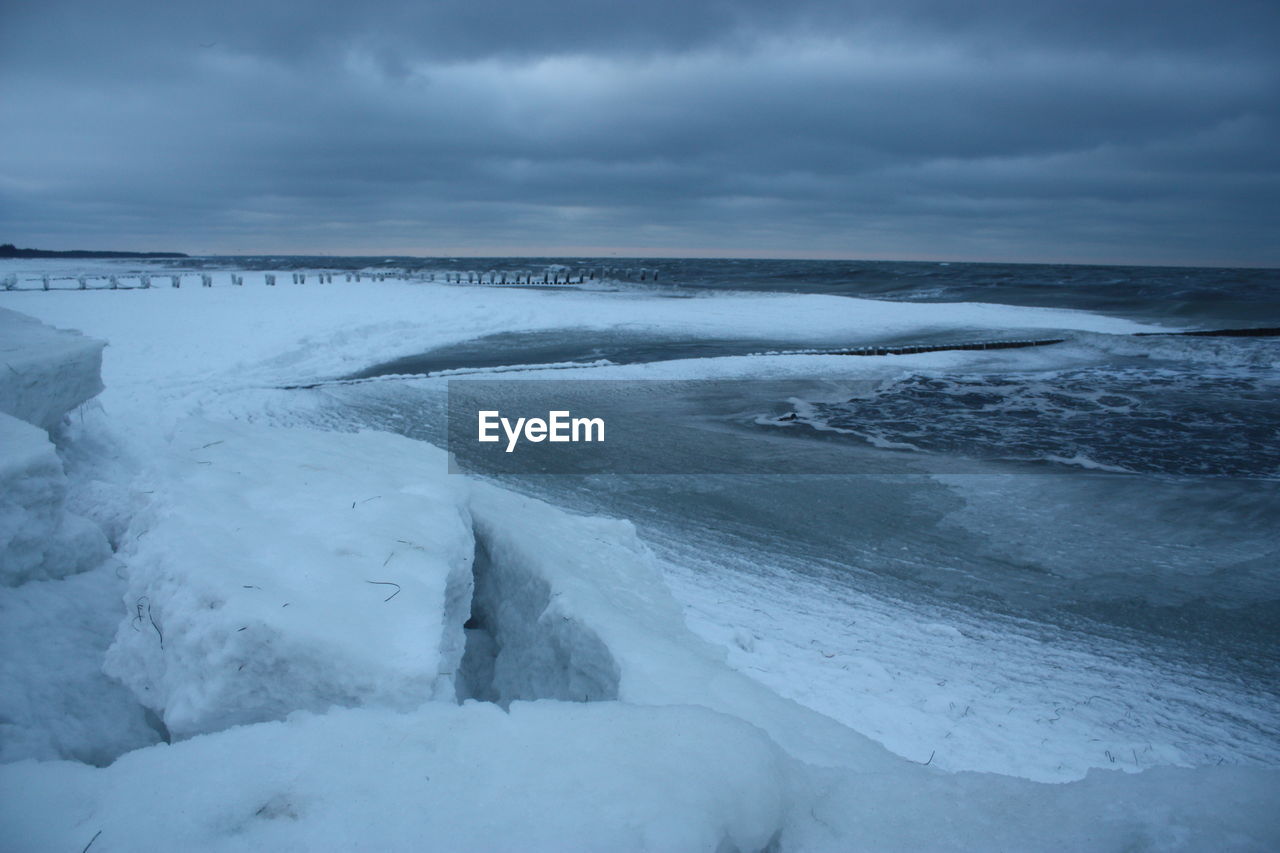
47, 371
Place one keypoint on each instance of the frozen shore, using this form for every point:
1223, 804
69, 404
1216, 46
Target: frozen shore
346, 646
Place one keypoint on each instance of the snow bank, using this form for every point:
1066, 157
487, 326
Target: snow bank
55, 701
280, 570
38, 537
547, 776
48, 371
552, 776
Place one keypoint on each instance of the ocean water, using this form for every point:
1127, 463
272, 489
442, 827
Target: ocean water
1195, 296
1172, 419
1167, 409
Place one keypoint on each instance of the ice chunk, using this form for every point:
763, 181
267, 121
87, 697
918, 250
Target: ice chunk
576, 607
525, 645
548, 776
55, 701
281, 569
38, 537
47, 372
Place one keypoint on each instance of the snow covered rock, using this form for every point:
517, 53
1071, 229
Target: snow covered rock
39, 539
548, 776
48, 371
279, 570
555, 776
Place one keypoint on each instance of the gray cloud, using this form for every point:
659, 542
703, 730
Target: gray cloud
1078, 131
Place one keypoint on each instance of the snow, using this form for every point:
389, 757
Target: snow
282, 570
312, 615
554, 776
545, 776
48, 372
1166, 809
1001, 697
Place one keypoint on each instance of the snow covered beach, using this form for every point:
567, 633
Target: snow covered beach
300, 611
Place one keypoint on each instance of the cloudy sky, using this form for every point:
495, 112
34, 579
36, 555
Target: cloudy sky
1019, 130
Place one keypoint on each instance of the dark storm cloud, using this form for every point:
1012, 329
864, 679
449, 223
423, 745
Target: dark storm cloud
1081, 130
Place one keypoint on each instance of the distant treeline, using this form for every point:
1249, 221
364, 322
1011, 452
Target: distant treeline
8, 250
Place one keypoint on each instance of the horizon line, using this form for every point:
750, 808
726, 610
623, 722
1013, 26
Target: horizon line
667, 254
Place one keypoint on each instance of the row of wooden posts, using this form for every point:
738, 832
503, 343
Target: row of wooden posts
509, 277
145, 282
548, 276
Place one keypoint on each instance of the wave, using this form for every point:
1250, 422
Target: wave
1183, 420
